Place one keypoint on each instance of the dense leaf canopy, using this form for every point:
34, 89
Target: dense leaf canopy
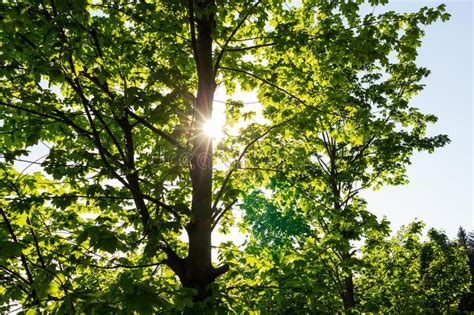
119, 215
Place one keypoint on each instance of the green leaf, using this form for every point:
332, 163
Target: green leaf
10, 249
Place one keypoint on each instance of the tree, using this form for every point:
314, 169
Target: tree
119, 93
470, 241
403, 274
362, 133
464, 240
113, 76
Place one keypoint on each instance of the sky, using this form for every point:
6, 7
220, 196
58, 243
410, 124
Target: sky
440, 191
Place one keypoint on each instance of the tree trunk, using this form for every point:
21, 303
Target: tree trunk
348, 293
197, 271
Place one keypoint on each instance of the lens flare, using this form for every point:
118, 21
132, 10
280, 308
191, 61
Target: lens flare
214, 128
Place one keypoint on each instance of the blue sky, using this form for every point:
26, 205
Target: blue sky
440, 191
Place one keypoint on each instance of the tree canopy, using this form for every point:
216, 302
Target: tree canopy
120, 215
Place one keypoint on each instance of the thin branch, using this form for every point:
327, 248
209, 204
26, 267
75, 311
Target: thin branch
40, 256
193, 29
250, 47
363, 148
102, 150
299, 100
65, 196
156, 130
14, 238
132, 177
54, 274
76, 86
263, 169
117, 266
151, 199
109, 132
234, 31
322, 164
49, 197
22, 160
239, 159
252, 38
273, 287
218, 215
63, 119
29, 42
101, 86
15, 275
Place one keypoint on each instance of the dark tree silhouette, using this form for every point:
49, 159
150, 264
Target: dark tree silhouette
466, 240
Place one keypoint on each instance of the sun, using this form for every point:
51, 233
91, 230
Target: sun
214, 128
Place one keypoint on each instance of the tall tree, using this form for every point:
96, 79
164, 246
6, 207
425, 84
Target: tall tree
362, 131
464, 240
118, 93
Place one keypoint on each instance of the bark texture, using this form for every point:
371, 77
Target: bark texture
196, 270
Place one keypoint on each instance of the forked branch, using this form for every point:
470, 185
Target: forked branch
231, 36
239, 159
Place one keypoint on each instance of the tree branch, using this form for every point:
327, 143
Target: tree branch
156, 130
193, 29
239, 159
117, 266
299, 100
250, 47
234, 31
22, 256
218, 215
40, 256
132, 176
15, 275
64, 119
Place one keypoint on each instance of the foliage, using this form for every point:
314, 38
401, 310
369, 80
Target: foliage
118, 93
466, 241
404, 274
398, 274
348, 126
